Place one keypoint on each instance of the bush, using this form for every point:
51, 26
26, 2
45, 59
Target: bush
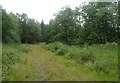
25, 48
57, 47
61, 51
100, 58
73, 53
87, 57
11, 56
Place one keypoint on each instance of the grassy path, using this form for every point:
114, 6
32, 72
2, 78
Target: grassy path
40, 64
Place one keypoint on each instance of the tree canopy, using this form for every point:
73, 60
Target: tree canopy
93, 22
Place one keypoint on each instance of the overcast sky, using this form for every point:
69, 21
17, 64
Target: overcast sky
38, 9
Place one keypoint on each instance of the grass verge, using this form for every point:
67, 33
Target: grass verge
101, 58
11, 54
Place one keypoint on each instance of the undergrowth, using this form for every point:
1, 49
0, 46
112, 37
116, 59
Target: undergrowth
101, 58
10, 56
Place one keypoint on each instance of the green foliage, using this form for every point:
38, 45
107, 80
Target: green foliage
63, 27
100, 23
87, 58
30, 30
92, 23
44, 32
10, 56
9, 27
101, 58
89, 24
20, 28
62, 51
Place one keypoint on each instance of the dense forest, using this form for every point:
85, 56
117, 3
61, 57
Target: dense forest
90, 23
86, 39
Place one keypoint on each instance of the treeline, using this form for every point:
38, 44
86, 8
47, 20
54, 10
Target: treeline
19, 28
94, 22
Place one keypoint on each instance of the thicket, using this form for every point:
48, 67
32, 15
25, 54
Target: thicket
10, 56
102, 58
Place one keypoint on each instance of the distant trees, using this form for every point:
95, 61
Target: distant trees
94, 22
44, 32
30, 31
19, 28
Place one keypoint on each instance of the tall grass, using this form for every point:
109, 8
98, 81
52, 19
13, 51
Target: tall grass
10, 56
102, 58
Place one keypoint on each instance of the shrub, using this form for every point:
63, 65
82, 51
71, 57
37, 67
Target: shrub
87, 57
11, 56
25, 48
61, 51
100, 58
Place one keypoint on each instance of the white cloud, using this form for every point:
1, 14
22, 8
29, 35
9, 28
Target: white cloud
38, 9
